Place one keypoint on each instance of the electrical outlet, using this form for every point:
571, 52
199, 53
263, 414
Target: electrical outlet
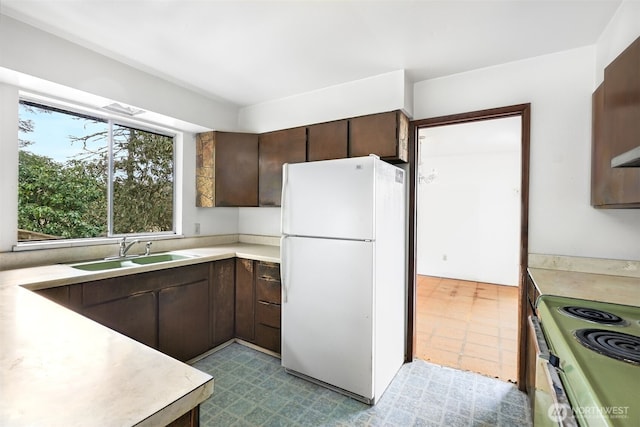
444, 257
197, 228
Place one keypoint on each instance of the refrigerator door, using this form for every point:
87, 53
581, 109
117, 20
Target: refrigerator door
332, 198
327, 318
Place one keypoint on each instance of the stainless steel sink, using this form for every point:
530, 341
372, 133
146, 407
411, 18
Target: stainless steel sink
130, 262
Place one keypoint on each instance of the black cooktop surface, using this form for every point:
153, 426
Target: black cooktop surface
593, 315
613, 344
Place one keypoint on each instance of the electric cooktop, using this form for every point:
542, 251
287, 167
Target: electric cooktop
598, 346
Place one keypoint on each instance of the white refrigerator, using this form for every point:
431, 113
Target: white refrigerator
343, 268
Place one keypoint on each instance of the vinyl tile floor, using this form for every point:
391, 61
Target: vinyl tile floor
252, 389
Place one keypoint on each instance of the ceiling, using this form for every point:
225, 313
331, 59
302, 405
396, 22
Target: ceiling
248, 52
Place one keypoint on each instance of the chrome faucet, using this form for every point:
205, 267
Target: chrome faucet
124, 247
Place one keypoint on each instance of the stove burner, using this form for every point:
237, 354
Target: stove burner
613, 344
593, 315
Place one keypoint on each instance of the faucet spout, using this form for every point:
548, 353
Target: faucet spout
124, 247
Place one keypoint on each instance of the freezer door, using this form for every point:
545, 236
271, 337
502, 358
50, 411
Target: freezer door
327, 324
333, 199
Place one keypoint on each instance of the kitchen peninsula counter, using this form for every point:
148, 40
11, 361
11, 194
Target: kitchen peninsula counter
59, 368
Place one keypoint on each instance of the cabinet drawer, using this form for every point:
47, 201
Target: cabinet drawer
268, 337
120, 287
268, 291
268, 314
268, 270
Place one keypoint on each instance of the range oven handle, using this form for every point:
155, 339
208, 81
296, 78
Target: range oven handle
541, 344
542, 350
562, 408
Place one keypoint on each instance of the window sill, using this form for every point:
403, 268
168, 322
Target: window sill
77, 243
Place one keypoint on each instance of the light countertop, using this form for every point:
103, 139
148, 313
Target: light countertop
58, 368
589, 286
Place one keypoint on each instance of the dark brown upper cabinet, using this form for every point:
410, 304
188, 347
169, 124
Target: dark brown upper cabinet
613, 128
384, 134
622, 103
328, 141
276, 149
226, 169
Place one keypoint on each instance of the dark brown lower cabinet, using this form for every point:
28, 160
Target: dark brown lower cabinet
258, 303
164, 309
222, 301
183, 320
268, 299
133, 316
189, 419
185, 311
245, 300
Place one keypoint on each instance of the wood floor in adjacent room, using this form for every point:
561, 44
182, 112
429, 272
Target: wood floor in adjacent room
467, 325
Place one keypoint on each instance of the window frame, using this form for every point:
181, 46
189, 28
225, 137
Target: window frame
110, 119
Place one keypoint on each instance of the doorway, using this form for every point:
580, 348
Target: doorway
460, 255
468, 231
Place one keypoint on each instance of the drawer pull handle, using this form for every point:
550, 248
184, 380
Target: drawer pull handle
269, 303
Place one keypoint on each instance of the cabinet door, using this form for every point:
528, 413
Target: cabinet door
328, 140
236, 169
245, 299
610, 187
226, 169
183, 320
622, 99
222, 301
276, 149
133, 316
384, 134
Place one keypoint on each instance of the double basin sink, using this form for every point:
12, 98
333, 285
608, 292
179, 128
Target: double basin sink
137, 261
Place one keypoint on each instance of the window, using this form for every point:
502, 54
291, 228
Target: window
84, 177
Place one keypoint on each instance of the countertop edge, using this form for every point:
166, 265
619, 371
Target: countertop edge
178, 408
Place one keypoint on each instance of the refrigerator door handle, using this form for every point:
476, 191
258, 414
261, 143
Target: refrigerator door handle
285, 175
283, 267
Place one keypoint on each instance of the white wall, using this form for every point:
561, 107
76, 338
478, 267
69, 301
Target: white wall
559, 87
8, 166
73, 73
468, 201
260, 221
623, 29
385, 92
28, 50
